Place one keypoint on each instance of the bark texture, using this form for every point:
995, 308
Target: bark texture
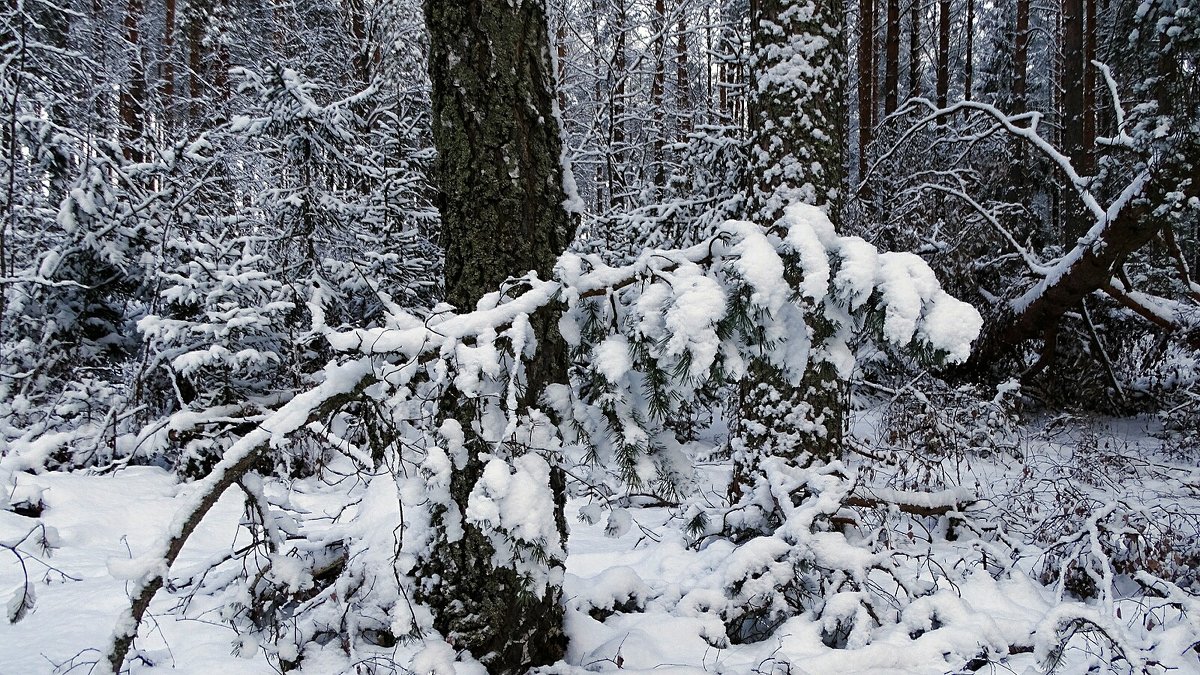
797, 130
501, 199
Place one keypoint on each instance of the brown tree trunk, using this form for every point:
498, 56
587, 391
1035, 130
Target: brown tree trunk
891, 78
132, 101
356, 16
866, 80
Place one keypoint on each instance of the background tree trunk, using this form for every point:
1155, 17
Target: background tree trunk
1021, 59
682, 78
943, 53
866, 80
891, 78
914, 49
969, 67
1075, 222
132, 101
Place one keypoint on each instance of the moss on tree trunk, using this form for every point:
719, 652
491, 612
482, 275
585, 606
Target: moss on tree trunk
795, 156
501, 199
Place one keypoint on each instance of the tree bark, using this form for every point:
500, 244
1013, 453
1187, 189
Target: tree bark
168, 46
969, 75
1021, 59
658, 26
943, 53
1071, 85
616, 116
501, 199
866, 80
132, 101
796, 156
891, 78
1089, 90
682, 79
914, 49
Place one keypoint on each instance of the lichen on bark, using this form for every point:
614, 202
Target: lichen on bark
501, 198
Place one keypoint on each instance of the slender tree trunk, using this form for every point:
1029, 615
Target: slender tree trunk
866, 80
914, 49
1021, 59
968, 80
1072, 87
99, 43
197, 54
658, 26
891, 78
133, 95
616, 116
167, 90
560, 42
1089, 89
682, 78
1020, 103
501, 200
943, 54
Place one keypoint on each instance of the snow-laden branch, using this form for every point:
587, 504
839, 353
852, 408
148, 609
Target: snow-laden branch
148, 571
665, 332
1010, 123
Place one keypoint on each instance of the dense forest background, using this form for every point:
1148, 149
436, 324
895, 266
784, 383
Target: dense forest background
242, 243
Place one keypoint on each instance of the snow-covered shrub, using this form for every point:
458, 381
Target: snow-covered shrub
647, 337
926, 434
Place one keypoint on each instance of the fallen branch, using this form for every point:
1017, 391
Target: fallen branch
341, 383
915, 503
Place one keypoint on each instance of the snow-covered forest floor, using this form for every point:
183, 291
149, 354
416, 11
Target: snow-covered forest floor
1066, 529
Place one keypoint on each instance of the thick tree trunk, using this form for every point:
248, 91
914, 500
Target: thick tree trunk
356, 19
501, 200
796, 156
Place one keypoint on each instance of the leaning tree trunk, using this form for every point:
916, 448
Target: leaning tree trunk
501, 200
795, 157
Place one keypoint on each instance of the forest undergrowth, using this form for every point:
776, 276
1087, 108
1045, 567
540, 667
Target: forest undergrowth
966, 536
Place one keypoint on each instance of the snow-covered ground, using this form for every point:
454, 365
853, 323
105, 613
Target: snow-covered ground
643, 601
